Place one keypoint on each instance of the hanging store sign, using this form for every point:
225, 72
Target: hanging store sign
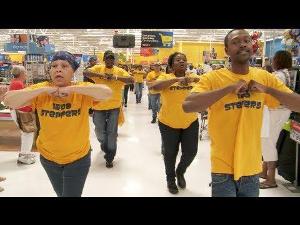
157, 39
295, 131
14, 47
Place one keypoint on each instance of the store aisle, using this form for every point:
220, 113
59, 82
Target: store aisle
138, 168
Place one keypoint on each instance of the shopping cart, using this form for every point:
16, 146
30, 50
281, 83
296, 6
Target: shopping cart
203, 124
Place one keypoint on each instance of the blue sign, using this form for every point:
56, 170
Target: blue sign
157, 39
49, 48
15, 47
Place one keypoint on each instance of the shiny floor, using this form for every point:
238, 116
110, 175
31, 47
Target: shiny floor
138, 169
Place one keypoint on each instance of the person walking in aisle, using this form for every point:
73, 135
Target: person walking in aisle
282, 61
237, 96
106, 113
92, 62
126, 88
177, 127
62, 107
18, 83
154, 96
139, 76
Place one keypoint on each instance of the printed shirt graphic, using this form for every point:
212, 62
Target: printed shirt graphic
115, 85
171, 112
151, 77
234, 123
64, 122
138, 76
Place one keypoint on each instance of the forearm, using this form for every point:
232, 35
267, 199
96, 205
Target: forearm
18, 98
126, 80
199, 102
160, 85
290, 100
97, 91
90, 74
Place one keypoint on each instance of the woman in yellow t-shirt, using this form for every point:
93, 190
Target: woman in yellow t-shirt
177, 127
62, 107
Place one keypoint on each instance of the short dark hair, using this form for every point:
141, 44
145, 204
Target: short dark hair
172, 57
282, 60
226, 37
107, 54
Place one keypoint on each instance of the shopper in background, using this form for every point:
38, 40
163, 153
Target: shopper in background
177, 127
62, 107
106, 113
18, 83
275, 119
126, 88
237, 96
92, 62
206, 67
191, 69
139, 76
153, 95
3, 90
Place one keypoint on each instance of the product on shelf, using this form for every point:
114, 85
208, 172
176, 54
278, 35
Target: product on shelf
36, 68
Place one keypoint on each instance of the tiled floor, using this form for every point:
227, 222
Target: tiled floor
138, 170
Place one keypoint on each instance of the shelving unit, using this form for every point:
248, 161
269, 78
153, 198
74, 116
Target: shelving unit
36, 68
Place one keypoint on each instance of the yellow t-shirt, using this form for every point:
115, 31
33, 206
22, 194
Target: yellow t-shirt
171, 112
151, 77
234, 123
138, 76
115, 85
64, 122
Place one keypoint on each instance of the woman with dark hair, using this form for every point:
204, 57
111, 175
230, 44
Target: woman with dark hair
273, 121
62, 107
177, 127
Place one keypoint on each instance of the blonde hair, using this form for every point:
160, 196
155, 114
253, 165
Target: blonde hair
17, 70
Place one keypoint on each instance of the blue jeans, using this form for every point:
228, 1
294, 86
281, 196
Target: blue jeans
67, 179
155, 104
138, 91
223, 185
106, 129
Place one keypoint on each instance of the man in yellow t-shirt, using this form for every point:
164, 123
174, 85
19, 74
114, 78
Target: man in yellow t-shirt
176, 126
139, 76
154, 96
235, 99
62, 107
106, 113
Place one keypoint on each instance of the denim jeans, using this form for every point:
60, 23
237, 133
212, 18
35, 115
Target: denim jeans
155, 104
106, 129
67, 179
125, 94
171, 138
223, 185
138, 91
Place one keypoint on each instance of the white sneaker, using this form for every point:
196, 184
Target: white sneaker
26, 159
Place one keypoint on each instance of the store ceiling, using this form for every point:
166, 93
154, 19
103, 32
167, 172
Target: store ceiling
90, 41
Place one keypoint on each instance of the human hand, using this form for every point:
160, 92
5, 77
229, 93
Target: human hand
257, 87
64, 91
241, 87
182, 81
